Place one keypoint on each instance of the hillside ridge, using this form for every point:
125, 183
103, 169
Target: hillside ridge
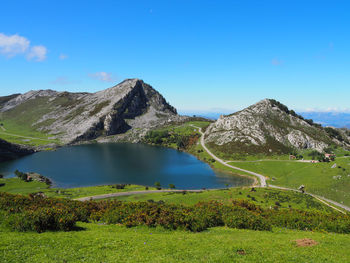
269, 127
74, 117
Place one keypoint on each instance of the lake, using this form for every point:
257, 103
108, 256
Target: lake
112, 163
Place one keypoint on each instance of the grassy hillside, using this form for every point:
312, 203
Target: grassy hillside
17, 186
112, 243
97, 242
14, 132
319, 178
21, 124
264, 197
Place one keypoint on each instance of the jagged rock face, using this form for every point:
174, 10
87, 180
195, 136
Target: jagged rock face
9, 151
265, 124
74, 117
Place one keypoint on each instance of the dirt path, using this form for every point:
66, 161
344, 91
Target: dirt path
95, 197
322, 199
261, 177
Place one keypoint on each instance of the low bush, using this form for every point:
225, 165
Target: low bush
36, 213
41, 220
239, 217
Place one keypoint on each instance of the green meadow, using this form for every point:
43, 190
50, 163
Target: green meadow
113, 243
318, 178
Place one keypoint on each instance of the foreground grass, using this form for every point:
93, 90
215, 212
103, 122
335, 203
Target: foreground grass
111, 243
318, 178
17, 186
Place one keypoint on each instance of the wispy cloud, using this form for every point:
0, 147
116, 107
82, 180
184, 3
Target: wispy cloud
63, 56
12, 45
277, 62
329, 110
37, 53
102, 76
62, 80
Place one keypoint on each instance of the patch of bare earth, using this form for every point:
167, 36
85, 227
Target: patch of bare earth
305, 242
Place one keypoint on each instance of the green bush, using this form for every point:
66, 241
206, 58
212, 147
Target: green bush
239, 217
36, 213
41, 220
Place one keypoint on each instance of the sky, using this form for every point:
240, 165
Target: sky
200, 55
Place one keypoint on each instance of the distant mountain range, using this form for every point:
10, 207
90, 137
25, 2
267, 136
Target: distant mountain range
334, 119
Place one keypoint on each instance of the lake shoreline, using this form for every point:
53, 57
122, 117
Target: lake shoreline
182, 168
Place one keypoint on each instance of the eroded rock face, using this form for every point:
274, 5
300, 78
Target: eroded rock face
74, 117
263, 123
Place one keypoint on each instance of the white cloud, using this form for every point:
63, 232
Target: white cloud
37, 53
103, 76
63, 56
13, 45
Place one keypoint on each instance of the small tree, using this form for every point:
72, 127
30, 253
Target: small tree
171, 186
157, 185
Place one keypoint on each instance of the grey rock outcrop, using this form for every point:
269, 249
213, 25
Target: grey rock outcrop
75, 117
267, 127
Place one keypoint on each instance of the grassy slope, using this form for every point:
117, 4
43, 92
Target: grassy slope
19, 121
263, 197
111, 243
17, 186
318, 177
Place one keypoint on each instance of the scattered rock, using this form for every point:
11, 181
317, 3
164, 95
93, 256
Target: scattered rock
241, 252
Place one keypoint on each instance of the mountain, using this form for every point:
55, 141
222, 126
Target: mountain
73, 117
9, 151
334, 119
269, 127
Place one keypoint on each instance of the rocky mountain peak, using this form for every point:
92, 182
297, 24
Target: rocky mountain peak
267, 126
72, 117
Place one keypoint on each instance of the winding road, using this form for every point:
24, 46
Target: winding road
260, 176
95, 197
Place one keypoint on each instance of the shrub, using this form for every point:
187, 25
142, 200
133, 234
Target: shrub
36, 213
41, 220
241, 218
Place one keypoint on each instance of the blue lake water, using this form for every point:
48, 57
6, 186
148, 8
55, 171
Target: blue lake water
112, 163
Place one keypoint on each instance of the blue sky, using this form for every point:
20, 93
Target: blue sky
201, 55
